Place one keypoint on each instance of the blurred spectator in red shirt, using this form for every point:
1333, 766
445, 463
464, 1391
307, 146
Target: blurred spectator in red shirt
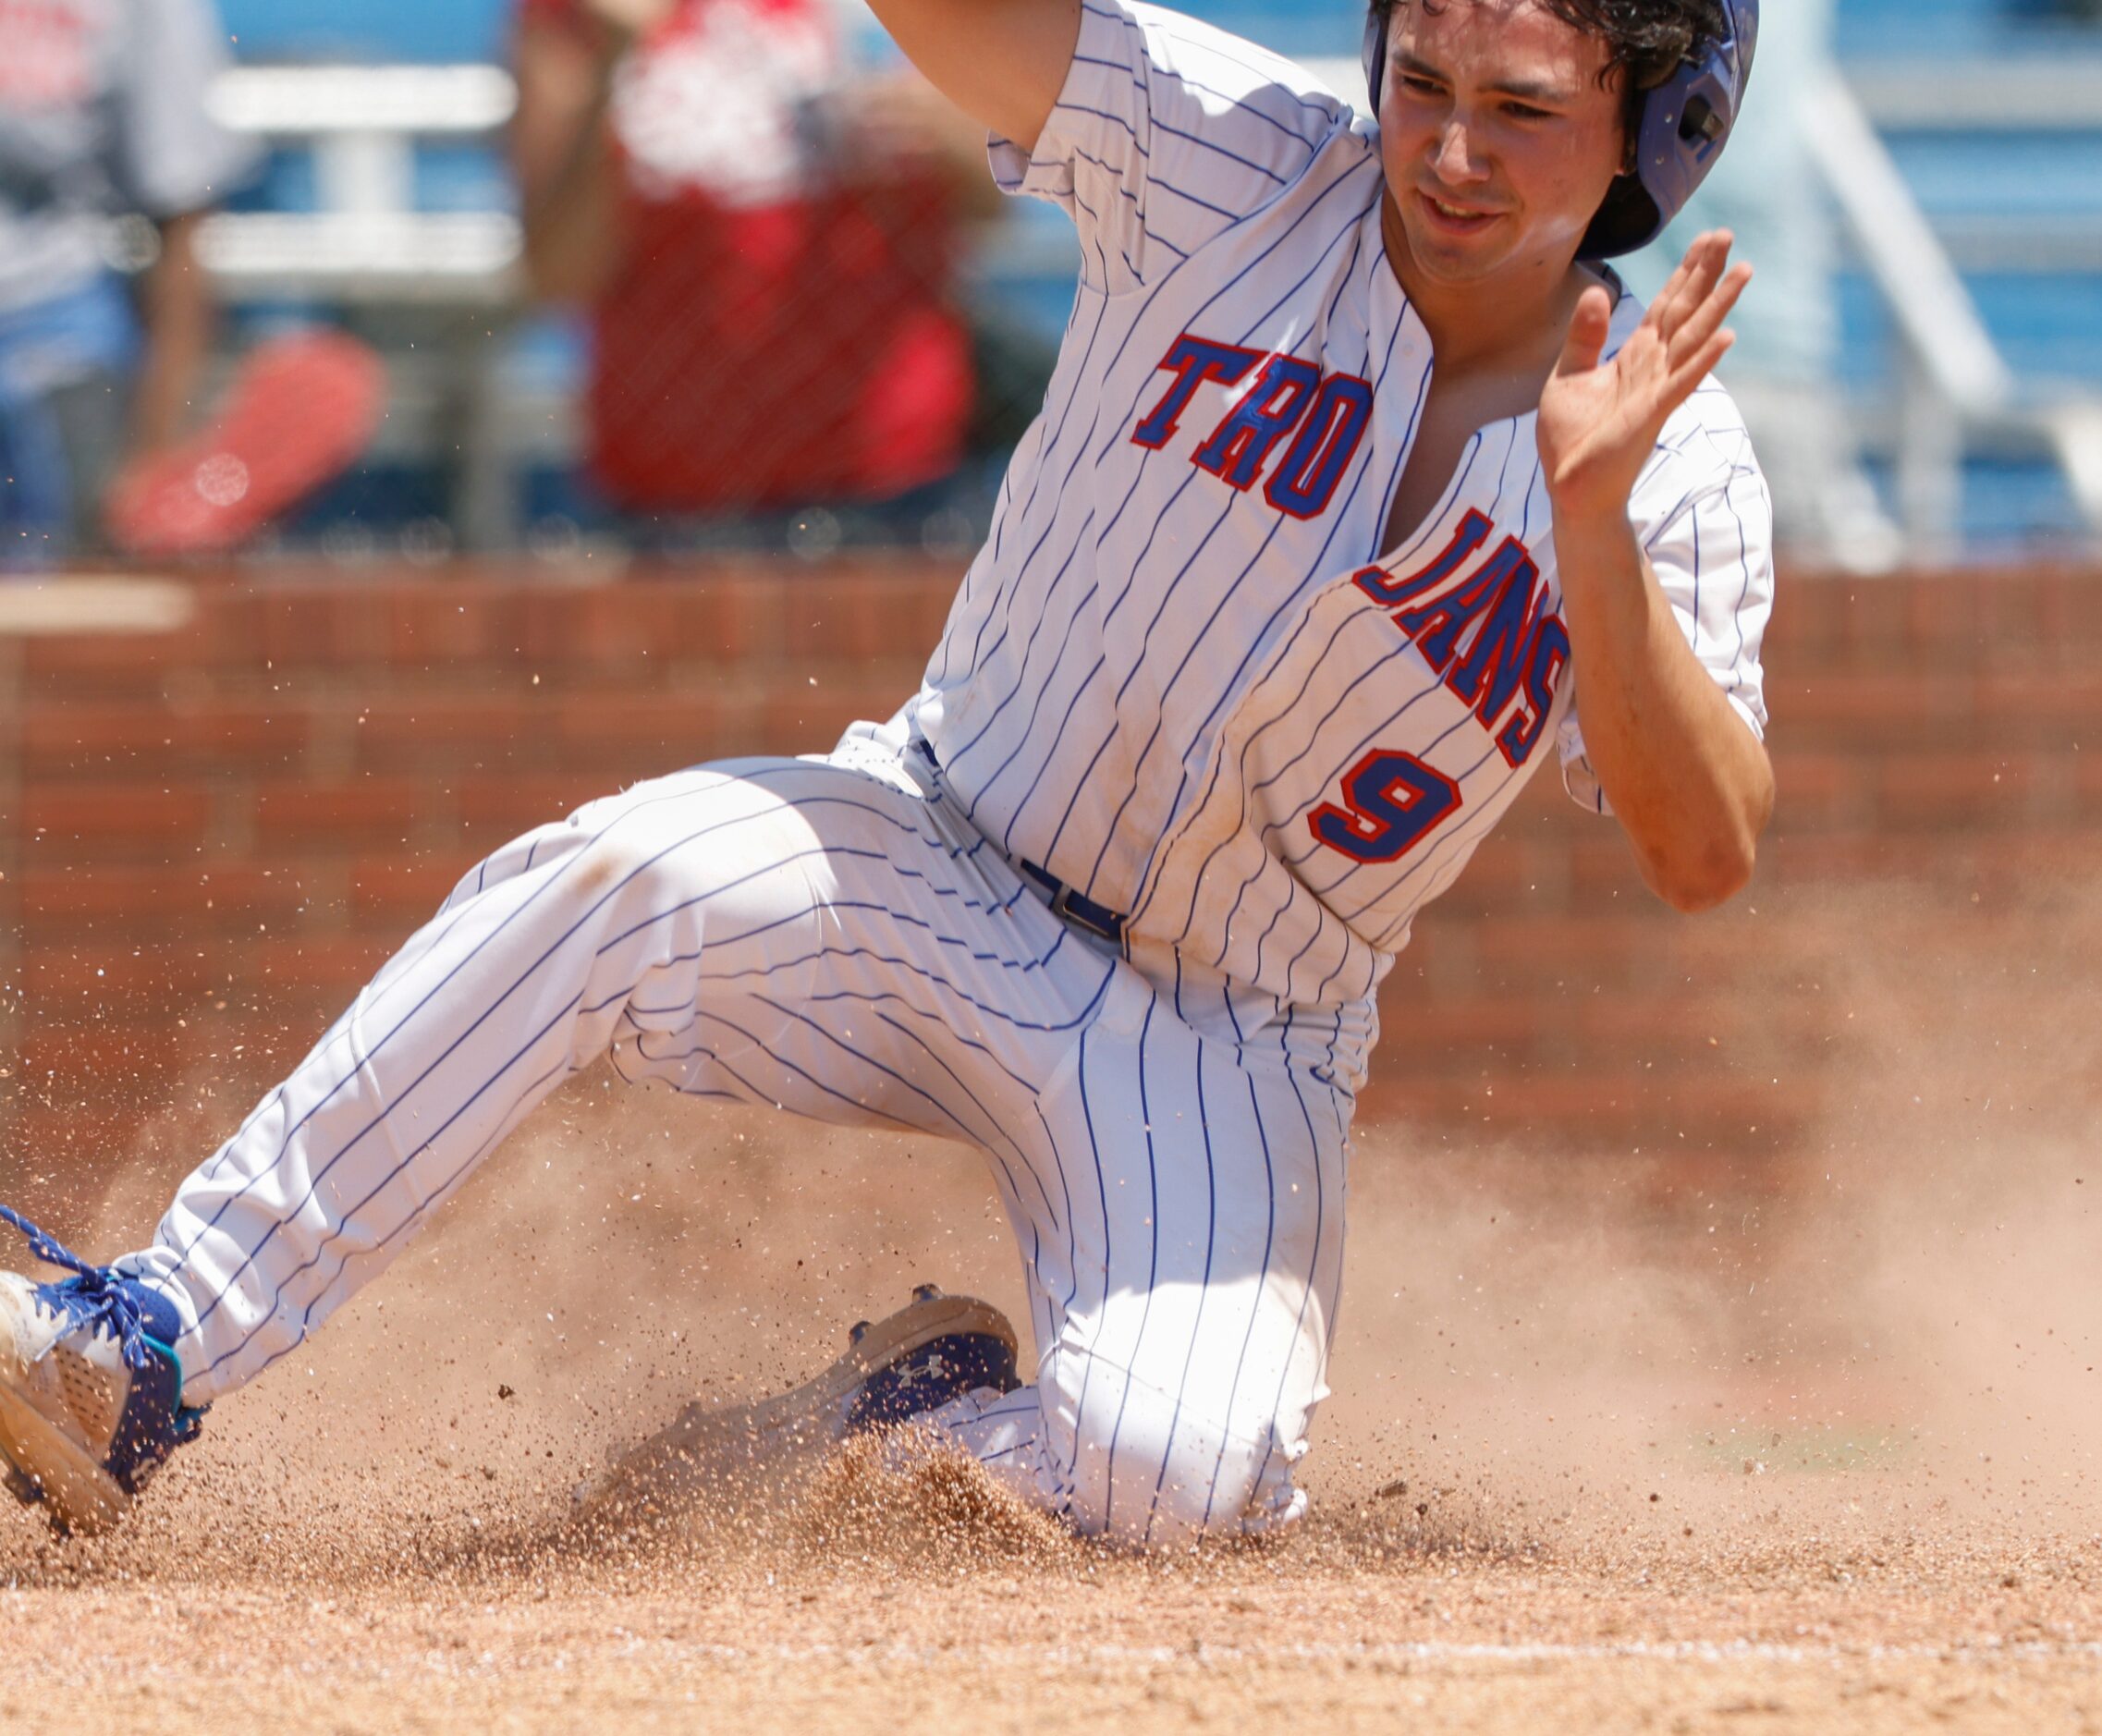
764, 254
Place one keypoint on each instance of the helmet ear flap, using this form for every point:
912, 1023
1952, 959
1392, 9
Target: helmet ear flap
1376, 22
1676, 132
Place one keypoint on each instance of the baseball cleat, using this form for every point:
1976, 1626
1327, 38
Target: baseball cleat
91, 1393
936, 1349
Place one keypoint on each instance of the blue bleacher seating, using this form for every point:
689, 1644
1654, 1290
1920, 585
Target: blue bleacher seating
1944, 31
372, 32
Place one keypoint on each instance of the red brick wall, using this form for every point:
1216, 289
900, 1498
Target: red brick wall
213, 832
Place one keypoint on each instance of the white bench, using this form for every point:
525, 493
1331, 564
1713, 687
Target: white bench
365, 241
437, 289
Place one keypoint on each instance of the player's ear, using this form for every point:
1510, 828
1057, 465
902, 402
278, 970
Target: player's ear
1632, 94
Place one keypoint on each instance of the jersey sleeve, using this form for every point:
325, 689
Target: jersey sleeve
1703, 515
1166, 133
172, 157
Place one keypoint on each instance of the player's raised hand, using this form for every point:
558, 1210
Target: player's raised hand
1599, 421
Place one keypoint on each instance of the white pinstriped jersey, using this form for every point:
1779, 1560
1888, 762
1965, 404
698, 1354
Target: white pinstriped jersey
1179, 680
1176, 676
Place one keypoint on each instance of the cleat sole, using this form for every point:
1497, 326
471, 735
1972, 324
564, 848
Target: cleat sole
80, 1495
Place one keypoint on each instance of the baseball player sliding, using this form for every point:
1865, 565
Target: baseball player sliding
1363, 488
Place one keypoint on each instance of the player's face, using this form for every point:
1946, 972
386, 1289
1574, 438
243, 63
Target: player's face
1498, 134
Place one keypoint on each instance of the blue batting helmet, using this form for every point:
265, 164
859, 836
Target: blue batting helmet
1680, 126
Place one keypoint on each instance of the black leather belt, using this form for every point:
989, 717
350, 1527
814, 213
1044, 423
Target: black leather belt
1075, 907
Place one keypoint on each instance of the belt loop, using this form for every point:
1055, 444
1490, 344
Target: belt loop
926, 770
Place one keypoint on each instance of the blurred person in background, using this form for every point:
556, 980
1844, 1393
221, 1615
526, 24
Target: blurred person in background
1783, 370
102, 117
764, 250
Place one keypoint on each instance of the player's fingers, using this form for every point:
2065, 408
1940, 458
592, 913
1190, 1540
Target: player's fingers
1664, 307
1589, 328
1707, 272
1662, 314
1685, 378
1691, 283
1702, 322
1663, 298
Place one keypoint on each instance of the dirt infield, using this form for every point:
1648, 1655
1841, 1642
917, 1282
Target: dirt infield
1722, 1644
1601, 1456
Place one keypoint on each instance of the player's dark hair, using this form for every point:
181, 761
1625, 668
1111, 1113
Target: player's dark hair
1647, 42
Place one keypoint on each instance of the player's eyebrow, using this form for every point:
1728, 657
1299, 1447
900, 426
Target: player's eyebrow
1525, 89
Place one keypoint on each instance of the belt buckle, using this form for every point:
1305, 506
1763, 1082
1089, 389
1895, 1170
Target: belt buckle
1062, 905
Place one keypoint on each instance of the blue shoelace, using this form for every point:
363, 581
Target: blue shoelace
97, 1298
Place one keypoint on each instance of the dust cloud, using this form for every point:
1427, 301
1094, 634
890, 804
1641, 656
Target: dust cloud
1566, 1393
1902, 1316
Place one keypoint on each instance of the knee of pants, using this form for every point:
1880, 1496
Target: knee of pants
1150, 1469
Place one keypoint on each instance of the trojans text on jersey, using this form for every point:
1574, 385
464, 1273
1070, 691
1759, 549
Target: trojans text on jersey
1270, 399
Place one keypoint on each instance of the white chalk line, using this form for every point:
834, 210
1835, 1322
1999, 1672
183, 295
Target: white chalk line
1432, 1652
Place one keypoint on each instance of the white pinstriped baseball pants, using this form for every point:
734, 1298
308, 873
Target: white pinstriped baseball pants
833, 936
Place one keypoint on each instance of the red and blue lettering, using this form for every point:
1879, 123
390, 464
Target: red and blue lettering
1241, 445
1495, 664
1194, 360
1325, 416
1391, 802
1388, 592
1546, 655
1327, 441
1499, 648
1516, 646
1437, 625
